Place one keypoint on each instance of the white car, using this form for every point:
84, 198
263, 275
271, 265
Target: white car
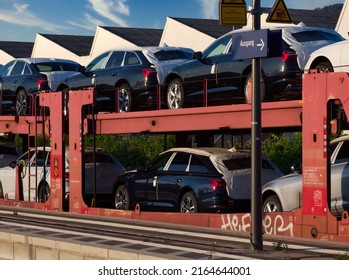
331, 58
283, 193
36, 163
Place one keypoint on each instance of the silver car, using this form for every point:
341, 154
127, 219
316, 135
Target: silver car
36, 167
285, 193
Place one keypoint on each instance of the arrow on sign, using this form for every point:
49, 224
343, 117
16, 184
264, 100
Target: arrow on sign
261, 44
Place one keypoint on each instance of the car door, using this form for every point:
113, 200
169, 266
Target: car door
229, 75
144, 189
166, 186
8, 176
205, 66
7, 81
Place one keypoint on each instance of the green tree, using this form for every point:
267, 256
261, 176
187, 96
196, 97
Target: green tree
133, 150
284, 150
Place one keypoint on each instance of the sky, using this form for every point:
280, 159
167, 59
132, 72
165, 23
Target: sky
21, 20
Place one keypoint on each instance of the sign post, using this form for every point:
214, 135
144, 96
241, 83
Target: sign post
256, 158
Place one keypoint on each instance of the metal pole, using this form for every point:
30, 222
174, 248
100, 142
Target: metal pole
256, 199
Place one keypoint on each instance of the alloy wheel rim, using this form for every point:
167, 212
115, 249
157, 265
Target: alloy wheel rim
174, 97
187, 205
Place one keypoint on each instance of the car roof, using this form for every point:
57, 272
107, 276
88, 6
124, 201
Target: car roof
45, 59
212, 152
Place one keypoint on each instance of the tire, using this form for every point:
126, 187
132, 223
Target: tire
22, 103
175, 94
43, 192
324, 67
122, 198
248, 89
188, 203
125, 100
272, 204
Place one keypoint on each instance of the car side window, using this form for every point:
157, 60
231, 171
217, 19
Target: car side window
197, 165
179, 163
98, 62
41, 157
115, 59
18, 68
160, 163
131, 59
98, 157
27, 70
6, 69
217, 48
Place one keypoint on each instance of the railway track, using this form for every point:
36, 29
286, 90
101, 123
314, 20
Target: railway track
178, 240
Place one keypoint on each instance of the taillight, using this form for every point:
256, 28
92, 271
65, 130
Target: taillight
40, 82
217, 184
148, 72
288, 55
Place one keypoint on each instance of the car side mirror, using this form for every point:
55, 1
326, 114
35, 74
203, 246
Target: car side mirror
296, 168
197, 55
13, 164
81, 69
142, 168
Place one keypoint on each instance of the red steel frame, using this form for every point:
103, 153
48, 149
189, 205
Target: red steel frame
313, 220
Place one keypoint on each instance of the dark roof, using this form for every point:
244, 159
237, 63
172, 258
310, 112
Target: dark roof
17, 49
313, 18
79, 45
138, 36
210, 27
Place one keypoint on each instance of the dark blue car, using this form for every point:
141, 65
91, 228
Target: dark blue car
190, 180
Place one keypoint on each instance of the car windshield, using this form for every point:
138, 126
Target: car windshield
217, 48
316, 35
56, 66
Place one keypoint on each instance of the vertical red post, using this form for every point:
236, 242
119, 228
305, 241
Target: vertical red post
77, 99
54, 100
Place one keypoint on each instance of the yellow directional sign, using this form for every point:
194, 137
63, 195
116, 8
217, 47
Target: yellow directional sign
279, 13
232, 12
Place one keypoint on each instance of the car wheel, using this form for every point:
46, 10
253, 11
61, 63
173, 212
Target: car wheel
272, 204
122, 198
324, 67
43, 192
248, 89
188, 203
175, 94
124, 98
21, 103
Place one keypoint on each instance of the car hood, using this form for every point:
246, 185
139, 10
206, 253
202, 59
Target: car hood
55, 78
284, 181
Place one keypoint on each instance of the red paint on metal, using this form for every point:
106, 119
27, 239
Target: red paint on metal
54, 100
77, 99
